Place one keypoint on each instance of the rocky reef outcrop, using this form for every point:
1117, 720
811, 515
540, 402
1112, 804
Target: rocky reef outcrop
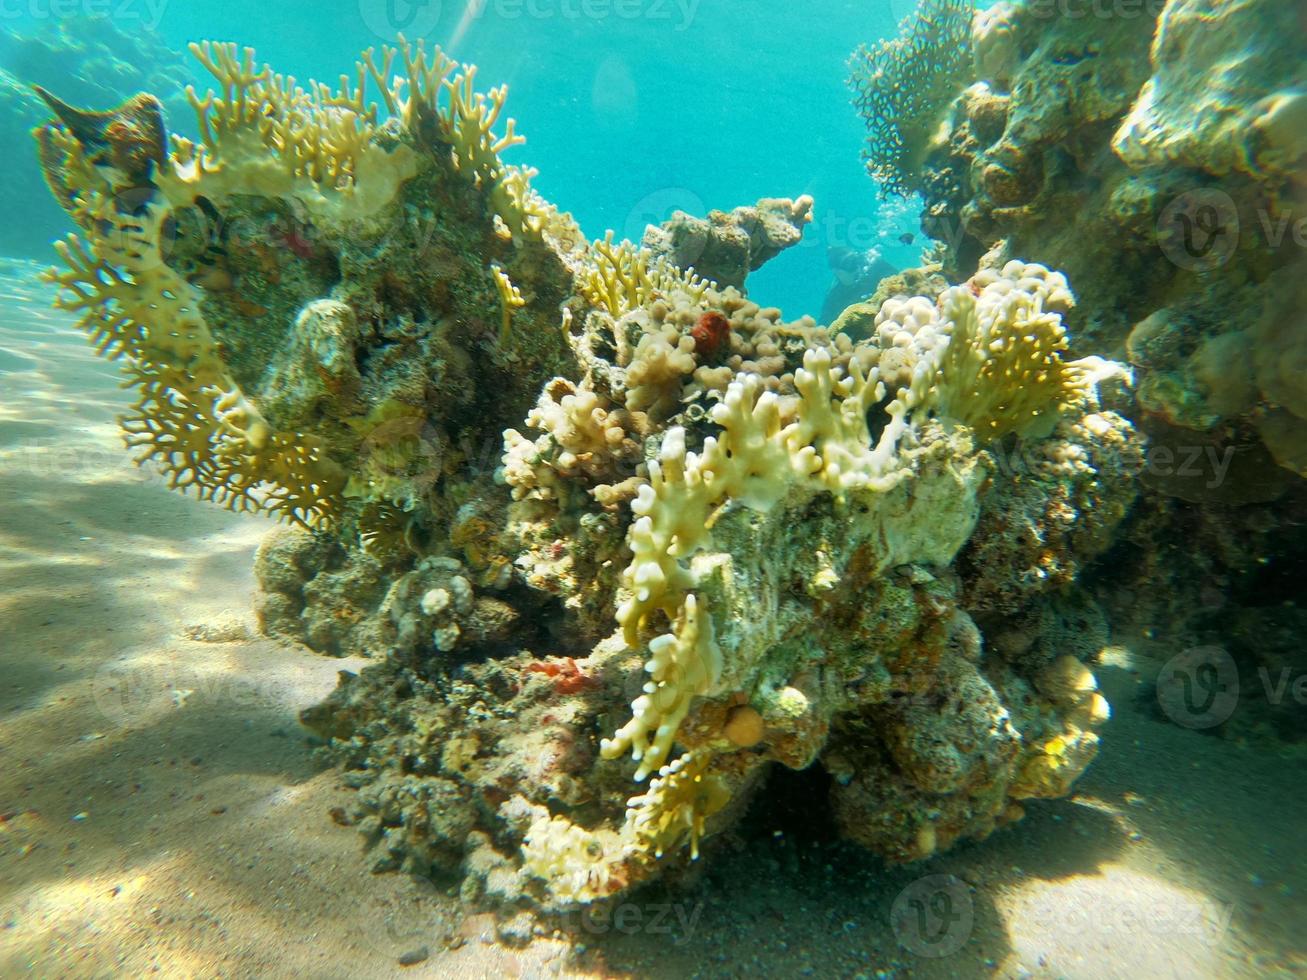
620, 540
1156, 154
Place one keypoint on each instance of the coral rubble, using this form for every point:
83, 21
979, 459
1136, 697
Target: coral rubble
541, 480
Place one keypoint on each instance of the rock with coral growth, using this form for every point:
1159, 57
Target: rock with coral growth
1228, 92
1173, 137
619, 540
85, 60
728, 245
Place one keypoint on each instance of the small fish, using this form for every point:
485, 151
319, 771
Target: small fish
907, 238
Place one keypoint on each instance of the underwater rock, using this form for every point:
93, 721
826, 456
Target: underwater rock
287, 558
1228, 92
1171, 137
619, 540
1156, 159
726, 246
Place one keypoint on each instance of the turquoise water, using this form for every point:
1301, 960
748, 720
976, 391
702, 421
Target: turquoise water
632, 108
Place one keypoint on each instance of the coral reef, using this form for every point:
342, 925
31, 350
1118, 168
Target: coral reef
780, 580
1223, 97
540, 481
1171, 136
1172, 133
903, 85
1068, 496
251, 361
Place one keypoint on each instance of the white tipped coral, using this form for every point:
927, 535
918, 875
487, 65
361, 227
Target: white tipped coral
1003, 369
767, 446
677, 805
585, 438
682, 664
989, 357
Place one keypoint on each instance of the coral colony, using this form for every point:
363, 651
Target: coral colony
620, 540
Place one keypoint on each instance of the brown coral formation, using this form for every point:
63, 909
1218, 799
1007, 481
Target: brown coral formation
726, 246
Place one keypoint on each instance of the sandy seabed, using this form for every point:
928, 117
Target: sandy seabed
161, 810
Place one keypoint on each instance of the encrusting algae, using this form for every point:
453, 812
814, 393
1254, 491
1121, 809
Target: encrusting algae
743, 528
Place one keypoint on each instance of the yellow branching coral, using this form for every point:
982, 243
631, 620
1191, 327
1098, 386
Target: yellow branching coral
510, 299
433, 97
472, 117
190, 416
326, 134
678, 803
766, 447
1003, 368
319, 133
260, 134
622, 277
524, 212
990, 360
413, 97
432, 89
